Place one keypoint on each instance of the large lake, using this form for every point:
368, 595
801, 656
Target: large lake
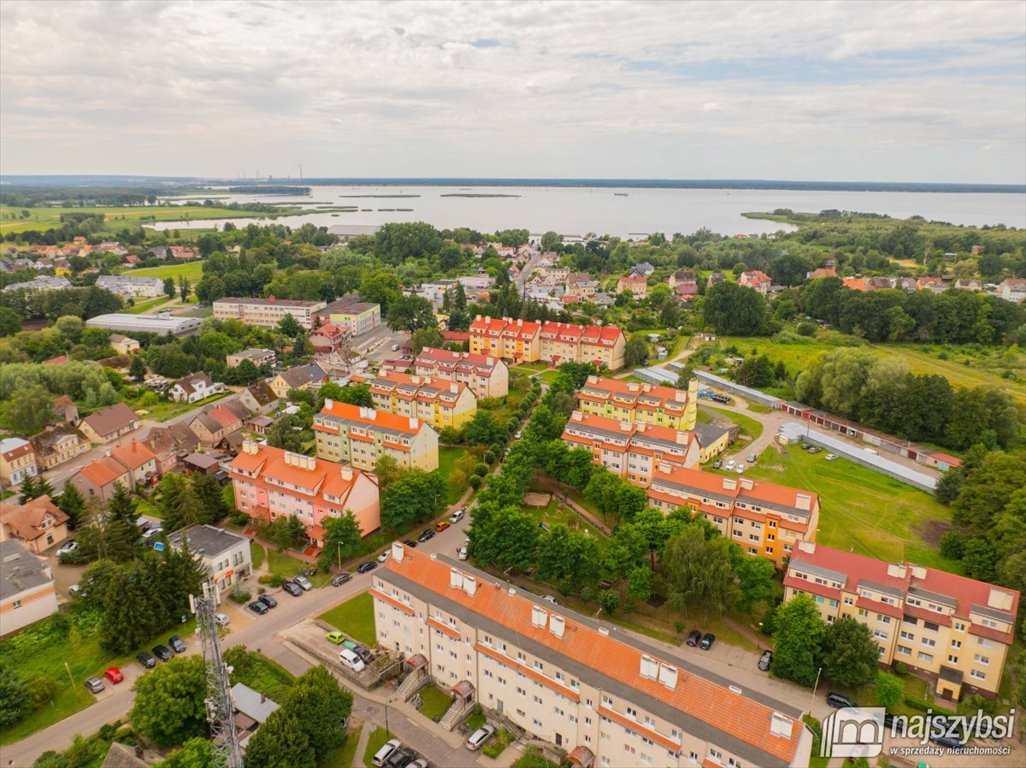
622, 212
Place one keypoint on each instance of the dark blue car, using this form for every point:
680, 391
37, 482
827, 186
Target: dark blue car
367, 567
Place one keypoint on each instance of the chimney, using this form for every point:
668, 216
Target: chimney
577, 416
747, 483
807, 546
625, 426
347, 472
414, 423
329, 403
897, 570
1000, 599
729, 484
454, 387
633, 388
250, 446
803, 501
683, 438
918, 571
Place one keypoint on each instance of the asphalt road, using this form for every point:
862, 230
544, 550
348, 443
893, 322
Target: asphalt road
254, 632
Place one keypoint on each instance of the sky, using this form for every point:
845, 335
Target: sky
832, 91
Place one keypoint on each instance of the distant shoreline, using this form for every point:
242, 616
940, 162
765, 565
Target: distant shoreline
715, 184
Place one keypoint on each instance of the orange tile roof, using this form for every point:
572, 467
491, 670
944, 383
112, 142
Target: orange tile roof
483, 324
742, 718
103, 471
269, 463
133, 455
370, 417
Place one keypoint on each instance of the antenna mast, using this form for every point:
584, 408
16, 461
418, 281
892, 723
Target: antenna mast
220, 709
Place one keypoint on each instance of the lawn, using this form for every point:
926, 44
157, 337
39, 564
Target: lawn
263, 676
532, 367
285, 566
549, 377
749, 426
377, 739
436, 702
344, 756
168, 409
447, 458
860, 508
355, 617
42, 219
144, 306
258, 553
190, 270
68, 660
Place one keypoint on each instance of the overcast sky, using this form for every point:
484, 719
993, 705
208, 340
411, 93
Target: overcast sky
887, 91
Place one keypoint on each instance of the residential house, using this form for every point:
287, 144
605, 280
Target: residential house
646, 403
110, 423
359, 316
712, 441
328, 337
17, 461
194, 387
225, 556
968, 285
183, 252
38, 523
299, 377
756, 280
123, 345
714, 278
259, 424
40, 283
932, 284
266, 313
139, 460
252, 709
359, 436
600, 695
127, 286
684, 284
65, 410
201, 463
636, 284
631, 451
27, 593
258, 357
829, 269
270, 483
1013, 289
953, 630
439, 402
215, 422
644, 269
170, 445
259, 398
486, 376
56, 445
581, 284
764, 519
98, 480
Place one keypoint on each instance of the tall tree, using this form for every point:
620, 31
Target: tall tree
281, 742
799, 639
410, 313
322, 708
698, 571
290, 327
168, 705
736, 311
211, 498
413, 498
184, 289
169, 287
72, 504
568, 557
507, 539
850, 654
342, 539
29, 409
636, 352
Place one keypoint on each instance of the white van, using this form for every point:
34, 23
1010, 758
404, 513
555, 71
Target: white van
351, 660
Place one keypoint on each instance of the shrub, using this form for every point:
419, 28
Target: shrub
609, 601
489, 457
238, 517
481, 470
475, 482
900, 669
806, 329
240, 596
42, 689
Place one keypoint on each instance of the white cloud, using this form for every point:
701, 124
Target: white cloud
516, 88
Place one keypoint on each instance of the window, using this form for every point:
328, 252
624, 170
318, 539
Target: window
632, 712
923, 656
976, 674
907, 635
930, 626
981, 659
956, 643
17, 603
959, 626
928, 642
904, 650
952, 659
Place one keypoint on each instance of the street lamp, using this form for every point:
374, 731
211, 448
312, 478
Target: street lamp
339, 555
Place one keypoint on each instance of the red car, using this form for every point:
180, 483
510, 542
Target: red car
113, 674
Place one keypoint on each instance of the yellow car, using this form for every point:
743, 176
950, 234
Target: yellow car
336, 637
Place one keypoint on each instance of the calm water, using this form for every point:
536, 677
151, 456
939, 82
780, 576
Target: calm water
580, 210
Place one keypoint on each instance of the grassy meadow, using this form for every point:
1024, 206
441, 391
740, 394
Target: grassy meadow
190, 270
42, 219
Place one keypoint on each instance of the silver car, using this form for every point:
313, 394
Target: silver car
304, 583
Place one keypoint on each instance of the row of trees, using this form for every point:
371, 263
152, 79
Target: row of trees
882, 393
51, 304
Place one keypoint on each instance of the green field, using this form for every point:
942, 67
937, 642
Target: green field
355, 617
749, 426
863, 509
190, 270
447, 458
966, 367
145, 306
286, 567
42, 219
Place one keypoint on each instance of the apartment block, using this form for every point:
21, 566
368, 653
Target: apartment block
603, 696
525, 342
486, 376
646, 403
361, 316
270, 483
437, 402
632, 451
266, 313
358, 436
636, 284
765, 519
17, 461
951, 629
128, 286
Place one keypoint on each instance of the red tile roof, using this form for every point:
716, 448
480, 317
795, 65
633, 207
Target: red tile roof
133, 455
371, 417
324, 478
103, 471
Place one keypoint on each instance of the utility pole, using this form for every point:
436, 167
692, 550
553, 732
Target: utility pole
812, 698
220, 709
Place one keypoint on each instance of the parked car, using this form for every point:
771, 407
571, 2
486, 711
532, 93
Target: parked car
258, 608
441, 525
147, 660
66, 548
113, 674
151, 533
752, 458
420, 762
765, 660
367, 567
303, 582
221, 619
292, 588
269, 601
707, 641
410, 543
839, 700
717, 464
75, 590
946, 741
740, 469
163, 653
456, 516
335, 637
401, 758
386, 749
480, 736
550, 599
831, 457
383, 556
694, 637
176, 644
342, 578
425, 535
95, 684
349, 658
730, 465
461, 553
364, 653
